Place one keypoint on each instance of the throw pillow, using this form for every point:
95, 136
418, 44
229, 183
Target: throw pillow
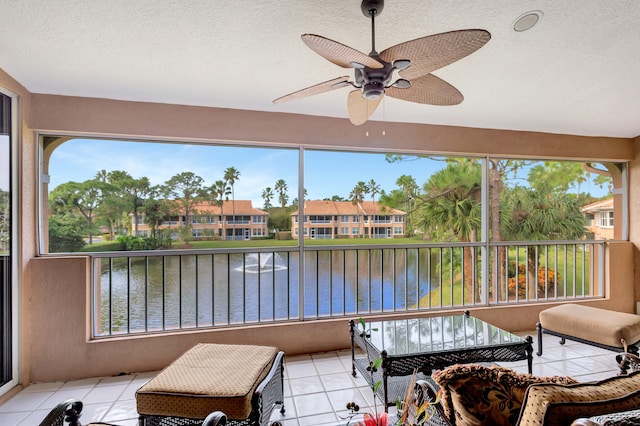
554, 405
481, 395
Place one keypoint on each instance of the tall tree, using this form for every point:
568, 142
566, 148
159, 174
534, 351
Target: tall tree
295, 203
156, 208
281, 188
372, 188
557, 176
499, 171
356, 196
452, 210
187, 189
219, 192
267, 195
231, 175
131, 193
538, 216
82, 198
102, 176
409, 189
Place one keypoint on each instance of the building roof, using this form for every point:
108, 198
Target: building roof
239, 207
606, 204
339, 208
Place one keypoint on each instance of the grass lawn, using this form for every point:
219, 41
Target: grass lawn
106, 245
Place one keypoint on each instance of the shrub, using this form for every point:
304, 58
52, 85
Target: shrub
130, 243
546, 281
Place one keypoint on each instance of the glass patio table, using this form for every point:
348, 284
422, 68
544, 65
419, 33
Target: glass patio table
427, 344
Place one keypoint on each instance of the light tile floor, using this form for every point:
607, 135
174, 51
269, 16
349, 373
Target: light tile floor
317, 387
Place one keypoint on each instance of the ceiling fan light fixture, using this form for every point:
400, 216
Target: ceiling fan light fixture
372, 90
527, 21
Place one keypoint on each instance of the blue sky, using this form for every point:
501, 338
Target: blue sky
326, 173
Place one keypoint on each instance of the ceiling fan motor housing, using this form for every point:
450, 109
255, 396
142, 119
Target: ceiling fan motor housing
374, 80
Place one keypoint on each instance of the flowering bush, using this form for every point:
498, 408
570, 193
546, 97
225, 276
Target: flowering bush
546, 281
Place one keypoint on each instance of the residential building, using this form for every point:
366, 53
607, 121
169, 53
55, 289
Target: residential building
345, 219
601, 219
234, 220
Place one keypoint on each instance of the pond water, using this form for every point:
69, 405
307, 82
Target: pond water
171, 292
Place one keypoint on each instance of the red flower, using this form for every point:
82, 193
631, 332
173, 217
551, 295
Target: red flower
370, 420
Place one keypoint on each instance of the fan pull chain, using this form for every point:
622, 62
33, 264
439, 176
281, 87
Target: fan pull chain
384, 115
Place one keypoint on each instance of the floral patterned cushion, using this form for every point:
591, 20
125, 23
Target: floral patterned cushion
480, 395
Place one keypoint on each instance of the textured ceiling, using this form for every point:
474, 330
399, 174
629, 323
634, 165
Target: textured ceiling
576, 72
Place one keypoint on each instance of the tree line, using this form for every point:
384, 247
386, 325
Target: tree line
117, 201
446, 207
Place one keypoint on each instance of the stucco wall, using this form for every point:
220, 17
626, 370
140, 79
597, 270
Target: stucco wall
54, 294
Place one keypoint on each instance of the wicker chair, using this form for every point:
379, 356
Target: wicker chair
69, 412
628, 362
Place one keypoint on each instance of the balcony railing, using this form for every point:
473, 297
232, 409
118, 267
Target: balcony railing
142, 292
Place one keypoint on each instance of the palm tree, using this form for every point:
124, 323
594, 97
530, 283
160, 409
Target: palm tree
281, 188
102, 176
357, 196
231, 174
409, 189
537, 216
452, 210
267, 195
372, 188
219, 193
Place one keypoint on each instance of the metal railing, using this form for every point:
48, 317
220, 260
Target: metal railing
155, 291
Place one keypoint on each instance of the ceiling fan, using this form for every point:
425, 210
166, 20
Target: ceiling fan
414, 60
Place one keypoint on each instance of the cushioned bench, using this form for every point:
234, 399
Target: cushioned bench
616, 331
243, 381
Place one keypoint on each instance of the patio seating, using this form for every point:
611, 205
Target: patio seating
616, 331
69, 412
243, 381
498, 396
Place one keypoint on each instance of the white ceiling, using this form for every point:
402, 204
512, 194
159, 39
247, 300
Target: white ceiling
576, 72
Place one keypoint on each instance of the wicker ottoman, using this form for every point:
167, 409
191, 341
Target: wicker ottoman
243, 381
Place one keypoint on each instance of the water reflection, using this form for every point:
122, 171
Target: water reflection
170, 292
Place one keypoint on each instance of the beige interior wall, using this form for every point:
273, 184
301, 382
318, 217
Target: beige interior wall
60, 114
55, 295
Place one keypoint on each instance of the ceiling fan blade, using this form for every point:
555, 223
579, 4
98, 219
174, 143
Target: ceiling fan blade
327, 86
360, 109
432, 52
338, 53
428, 89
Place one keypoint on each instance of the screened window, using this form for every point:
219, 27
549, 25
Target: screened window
97, 195
606, 219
